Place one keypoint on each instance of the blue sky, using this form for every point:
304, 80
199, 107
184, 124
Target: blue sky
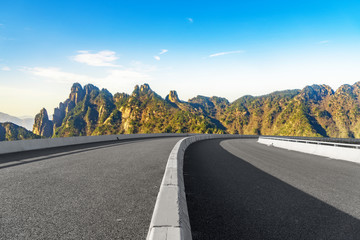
223, 48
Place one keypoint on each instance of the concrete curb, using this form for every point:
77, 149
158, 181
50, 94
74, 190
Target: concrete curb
341, 151
36, 144
170, 219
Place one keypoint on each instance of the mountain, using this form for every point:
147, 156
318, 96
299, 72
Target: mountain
313, 111
10, 131
91, 111
26, 122
43, 126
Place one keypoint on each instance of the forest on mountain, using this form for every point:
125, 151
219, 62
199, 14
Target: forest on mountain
314, 111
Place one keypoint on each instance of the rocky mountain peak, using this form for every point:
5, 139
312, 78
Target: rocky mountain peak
106, 92
43, 126
357, 84
120, 96
143, 91
89, 88
77, 93
344, 89
173, 97
76, 87
136, 91
356, 88
145, 88
316, 92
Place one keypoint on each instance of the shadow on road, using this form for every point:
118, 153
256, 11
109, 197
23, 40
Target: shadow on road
228, 198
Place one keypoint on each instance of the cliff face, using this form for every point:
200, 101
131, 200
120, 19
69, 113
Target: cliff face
77, 94
10, 131
316, 110
172, 97
43, 126
86, 111
90, 111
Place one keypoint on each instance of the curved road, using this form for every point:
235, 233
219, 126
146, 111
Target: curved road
240, 189
93, 191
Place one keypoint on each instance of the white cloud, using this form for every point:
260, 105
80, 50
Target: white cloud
100, 59
58, 75
163, 51
5, 68
114, 79
324, 42
225, 53
190, 20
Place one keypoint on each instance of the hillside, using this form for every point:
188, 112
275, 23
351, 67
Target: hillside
316, 110
10, 131
91, 111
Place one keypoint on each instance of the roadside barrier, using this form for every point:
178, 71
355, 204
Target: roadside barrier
332, 149
36, 144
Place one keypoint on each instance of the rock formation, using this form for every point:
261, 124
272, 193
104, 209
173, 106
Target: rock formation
316, 110
43, 126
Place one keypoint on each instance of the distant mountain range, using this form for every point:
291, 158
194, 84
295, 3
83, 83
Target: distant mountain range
316, 111
26, 122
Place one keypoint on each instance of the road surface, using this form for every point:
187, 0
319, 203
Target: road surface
239, 189
93, 191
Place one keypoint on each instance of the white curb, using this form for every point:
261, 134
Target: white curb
170, 219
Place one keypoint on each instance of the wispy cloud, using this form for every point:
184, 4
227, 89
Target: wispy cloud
100, 59
57, 74
5, 68
113, 77
163, 51
324, 42
225, 53
190, 20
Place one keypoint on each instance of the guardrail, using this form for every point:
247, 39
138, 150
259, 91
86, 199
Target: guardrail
331, 149
321, 139
36, 144
328, 143
170, 219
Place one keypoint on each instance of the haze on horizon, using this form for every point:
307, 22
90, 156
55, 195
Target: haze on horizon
227, 49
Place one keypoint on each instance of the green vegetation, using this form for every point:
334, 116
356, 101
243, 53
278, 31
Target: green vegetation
10, 132
313, 111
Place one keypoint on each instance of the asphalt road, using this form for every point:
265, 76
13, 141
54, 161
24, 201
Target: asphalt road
93, 191
239, 189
